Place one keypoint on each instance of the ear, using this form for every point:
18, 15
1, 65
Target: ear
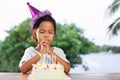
34, 33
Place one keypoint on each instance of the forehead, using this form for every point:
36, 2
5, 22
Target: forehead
46, 25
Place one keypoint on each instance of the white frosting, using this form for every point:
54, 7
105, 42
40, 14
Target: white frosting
48, 71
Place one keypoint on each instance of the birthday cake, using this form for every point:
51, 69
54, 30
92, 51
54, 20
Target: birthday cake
48, 72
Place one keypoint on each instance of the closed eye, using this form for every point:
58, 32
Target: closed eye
51, 32
41, 32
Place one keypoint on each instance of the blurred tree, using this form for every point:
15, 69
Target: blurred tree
115, 26
68, 37
12, 48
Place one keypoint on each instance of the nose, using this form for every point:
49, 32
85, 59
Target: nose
46, 35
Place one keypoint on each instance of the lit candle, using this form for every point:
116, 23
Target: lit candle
44, 58
52, 59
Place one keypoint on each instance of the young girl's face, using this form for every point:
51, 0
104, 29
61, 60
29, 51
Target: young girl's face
45, 31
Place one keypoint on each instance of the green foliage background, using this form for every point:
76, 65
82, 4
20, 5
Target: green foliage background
68, 37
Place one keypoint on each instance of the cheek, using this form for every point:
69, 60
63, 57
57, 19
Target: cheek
52, 38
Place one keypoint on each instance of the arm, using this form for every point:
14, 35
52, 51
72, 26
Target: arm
27, 65
65, 64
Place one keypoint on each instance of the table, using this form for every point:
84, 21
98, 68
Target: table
74, 76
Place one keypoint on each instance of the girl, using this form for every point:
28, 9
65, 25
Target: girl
44, 29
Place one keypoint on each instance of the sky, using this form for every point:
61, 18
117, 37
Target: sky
89, 15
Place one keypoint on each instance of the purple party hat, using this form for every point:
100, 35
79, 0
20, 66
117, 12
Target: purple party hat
33, 10
36, 14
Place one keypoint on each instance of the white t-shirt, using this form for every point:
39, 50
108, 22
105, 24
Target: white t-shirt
31, 52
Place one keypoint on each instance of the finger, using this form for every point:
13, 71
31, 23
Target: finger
42, 43
43, 50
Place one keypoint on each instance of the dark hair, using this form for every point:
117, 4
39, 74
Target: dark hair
44, 18
36, 23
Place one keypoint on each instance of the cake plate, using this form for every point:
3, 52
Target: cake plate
67, 78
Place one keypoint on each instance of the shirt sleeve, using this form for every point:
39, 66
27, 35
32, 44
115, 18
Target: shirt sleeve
61, 54
26, 56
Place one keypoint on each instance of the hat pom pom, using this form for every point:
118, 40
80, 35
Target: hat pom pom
28, 3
